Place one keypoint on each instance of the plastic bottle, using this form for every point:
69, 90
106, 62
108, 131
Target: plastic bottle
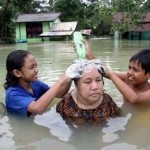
80, 47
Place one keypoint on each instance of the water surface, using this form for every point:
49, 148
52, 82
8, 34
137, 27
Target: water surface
130, 131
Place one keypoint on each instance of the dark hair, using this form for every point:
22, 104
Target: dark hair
142, 58
15, 60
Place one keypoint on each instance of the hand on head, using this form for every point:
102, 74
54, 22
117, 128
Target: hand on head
107, 72
76, 69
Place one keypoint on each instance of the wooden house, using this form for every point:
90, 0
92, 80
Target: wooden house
140, 32
61, 30
86, 33
29, 26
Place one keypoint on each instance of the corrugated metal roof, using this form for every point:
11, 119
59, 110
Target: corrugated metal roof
145, 23
64, 26
61, 29
120, 16
38, 17
56, 33
141, 28
147, 17
86, 31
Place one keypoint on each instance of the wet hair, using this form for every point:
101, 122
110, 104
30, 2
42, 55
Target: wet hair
15, 60
77, 79
143, 59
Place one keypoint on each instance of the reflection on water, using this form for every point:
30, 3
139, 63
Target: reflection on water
55, 123
120, 146
114, 125
130, 131
6, 141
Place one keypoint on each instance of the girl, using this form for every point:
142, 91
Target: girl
25, 94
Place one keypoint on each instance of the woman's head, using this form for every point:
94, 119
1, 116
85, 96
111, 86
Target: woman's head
15, 61
90, 85
87, 75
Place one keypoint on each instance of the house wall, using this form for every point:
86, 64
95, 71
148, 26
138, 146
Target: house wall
48, 25
144, 35
21, 31
57, 20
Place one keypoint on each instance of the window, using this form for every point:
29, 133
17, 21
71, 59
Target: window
33, 29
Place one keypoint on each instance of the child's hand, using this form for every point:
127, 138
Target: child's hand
108, 72
89, 54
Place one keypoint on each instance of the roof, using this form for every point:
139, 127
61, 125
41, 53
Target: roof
86, 31
147, 17
145, 23
41, 17
141, 28
61, 29
64, 26
120, 16
47, 34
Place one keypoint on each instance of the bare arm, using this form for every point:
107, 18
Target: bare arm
128, 93
42, 103
89, 54
64, 88
119, 79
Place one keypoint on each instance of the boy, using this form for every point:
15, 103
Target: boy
133, 84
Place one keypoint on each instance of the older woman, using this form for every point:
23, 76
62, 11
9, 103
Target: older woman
87, 103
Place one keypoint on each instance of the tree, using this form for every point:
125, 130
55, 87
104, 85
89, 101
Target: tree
41, 6
132, 14
8, 13
72, 10
85, 13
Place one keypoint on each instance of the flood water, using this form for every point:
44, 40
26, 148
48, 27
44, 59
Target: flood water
130, 131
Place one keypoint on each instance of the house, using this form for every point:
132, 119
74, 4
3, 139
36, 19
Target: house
141, 31
61, 30
86, 33
29, 26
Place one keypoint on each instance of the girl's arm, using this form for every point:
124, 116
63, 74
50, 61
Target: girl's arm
42, 103
64, 88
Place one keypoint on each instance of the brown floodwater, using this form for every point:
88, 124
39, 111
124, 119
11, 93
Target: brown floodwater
130, 131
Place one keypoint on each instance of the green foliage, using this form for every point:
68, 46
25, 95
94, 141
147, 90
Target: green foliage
132, 14
92, 14
8, 13
72, 10
87, 14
